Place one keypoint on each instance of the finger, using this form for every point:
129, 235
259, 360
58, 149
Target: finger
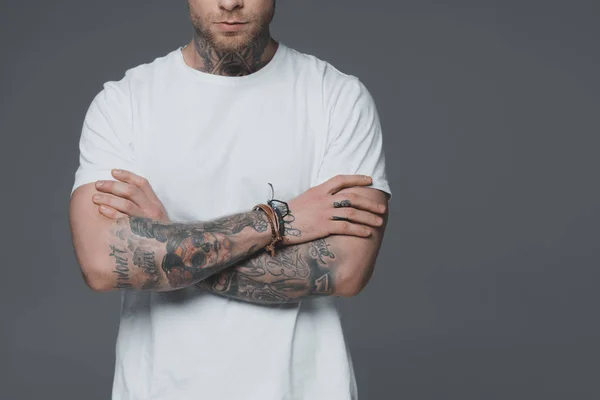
357, 201
118, 203
340, 182
122, 189
357, 216
111, 212
137, 180
349, 229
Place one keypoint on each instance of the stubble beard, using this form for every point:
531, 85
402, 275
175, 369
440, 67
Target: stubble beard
231, 53
231, 42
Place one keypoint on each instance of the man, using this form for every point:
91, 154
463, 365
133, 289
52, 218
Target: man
232, 307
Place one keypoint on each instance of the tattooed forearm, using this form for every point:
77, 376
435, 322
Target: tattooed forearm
121, 267
294, 273
162, 256
145, 260
236, 223
320, 249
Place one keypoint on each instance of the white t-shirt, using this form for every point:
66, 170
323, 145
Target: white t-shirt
209, 145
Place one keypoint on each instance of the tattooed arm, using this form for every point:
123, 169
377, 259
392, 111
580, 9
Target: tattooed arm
137, 252
144, 254
334, 266
293, 274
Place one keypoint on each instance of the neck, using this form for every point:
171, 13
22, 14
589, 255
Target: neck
206, 58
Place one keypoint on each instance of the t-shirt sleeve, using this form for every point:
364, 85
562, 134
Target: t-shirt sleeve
355, 142
106, 140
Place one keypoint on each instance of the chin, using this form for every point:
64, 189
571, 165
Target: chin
231, 43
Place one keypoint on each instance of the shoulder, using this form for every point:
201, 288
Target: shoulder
115, 98
140, 76
319, 67
334, 84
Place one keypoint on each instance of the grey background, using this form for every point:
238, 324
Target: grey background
486, 286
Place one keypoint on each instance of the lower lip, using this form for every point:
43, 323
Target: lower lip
231, 27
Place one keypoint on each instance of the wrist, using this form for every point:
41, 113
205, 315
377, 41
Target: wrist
279, 214
273, 219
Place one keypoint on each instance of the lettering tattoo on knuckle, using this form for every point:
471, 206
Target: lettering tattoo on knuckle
338, 218
343, 203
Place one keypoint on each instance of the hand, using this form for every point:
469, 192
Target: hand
328, 209
130, 195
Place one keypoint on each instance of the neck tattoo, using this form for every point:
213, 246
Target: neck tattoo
238, 63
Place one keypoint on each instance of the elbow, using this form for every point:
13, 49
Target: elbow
95, 274
96, 279
353, 283
348, 290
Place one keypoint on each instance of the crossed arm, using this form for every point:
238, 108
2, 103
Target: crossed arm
337, 264
149, 255
145, 254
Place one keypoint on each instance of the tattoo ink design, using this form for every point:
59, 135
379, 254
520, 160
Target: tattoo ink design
266, 294
235, 223
288, 229
289, 264
144, 259
336, 218
239, 63
343, 203
294, 272
322, 285
193, 251
320, 249
224, 281
121, 267
253, 268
